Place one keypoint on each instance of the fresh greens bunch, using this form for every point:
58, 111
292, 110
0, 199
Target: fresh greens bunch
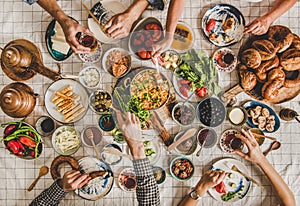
197, 68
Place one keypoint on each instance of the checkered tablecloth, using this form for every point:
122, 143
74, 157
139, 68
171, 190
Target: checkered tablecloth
19, 20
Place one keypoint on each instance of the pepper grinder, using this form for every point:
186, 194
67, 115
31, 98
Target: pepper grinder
288, 114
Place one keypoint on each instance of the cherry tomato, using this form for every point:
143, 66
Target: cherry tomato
210, 25
144, 54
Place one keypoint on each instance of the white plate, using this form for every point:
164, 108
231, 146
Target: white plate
99, 187
238, 179
55, 146
127, 172
114, 7
59, 85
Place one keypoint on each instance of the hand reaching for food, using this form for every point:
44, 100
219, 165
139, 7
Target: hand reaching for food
71, 28
73, 180
162, 45
132, 132
254, 154
208, 180
119, 25
258, 26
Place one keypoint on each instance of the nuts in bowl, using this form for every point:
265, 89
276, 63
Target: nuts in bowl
182, 168
100, 101
117, 62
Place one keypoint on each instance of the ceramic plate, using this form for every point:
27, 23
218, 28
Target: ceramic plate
127, 173
253, 104
63, 129
183, 38
220, 13
59, 85
98, 187
112, 7
50, 32
223, 143
232, 178
218, 55
92, 57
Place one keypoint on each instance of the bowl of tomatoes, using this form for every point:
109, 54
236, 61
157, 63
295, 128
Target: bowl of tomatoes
22, 140
145, 34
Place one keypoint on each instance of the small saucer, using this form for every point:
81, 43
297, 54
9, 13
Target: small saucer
92, 57
218, 62
39, 125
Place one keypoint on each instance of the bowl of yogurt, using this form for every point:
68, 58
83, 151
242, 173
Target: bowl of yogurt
237, 116
108, 156
89, 77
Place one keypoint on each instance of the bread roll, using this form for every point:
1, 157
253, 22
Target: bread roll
295, 82
251, 58
248, 79
276, 79
266, 66
290, 59
265, 48
281, 37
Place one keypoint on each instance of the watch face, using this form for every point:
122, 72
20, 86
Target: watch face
194, 195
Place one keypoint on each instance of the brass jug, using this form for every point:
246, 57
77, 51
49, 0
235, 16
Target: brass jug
17, 100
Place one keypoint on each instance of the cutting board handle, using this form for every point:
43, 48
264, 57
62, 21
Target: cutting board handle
231, 93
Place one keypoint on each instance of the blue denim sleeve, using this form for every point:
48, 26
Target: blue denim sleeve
157, 4
30, 1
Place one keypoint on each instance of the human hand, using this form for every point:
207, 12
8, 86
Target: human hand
131, 130
254, 153
208, 180
162, 45
73, 180
119, 25
258, 26
71, 28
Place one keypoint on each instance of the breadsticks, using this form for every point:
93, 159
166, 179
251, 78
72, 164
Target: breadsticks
68, 103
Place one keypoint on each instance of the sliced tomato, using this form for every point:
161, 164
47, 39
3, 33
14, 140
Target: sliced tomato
210, 25
142, 53
201, 92
138, 39
220, 188
184, 91
184, 81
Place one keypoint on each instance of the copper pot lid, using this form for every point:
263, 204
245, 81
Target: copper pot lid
17, 100
15, 58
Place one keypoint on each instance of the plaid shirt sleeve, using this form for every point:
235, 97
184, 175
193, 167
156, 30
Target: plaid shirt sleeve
50, 197
147, 190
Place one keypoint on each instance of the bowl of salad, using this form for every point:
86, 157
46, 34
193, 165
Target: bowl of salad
66, 140
22, 140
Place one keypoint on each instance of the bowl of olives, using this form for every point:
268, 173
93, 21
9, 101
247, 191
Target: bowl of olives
100, 101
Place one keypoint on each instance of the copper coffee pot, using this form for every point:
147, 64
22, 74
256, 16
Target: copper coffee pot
21, 60
17, 100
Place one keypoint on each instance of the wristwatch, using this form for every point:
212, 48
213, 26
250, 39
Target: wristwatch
194, 195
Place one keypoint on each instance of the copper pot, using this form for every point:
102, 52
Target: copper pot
17, 100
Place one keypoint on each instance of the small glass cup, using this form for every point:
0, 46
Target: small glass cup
236, 144
87, 40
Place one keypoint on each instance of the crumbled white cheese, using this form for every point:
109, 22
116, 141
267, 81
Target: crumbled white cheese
91, 77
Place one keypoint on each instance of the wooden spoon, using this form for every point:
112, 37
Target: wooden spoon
43, 171
90, 136
188, 134
274, 146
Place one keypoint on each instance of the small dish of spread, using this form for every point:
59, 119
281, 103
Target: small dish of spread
237, 116
224, 60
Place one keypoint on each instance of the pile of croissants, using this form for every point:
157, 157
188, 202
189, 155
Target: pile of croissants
269, 59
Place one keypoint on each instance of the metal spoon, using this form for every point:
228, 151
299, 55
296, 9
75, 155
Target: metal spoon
43, 171
202, 145
274, 146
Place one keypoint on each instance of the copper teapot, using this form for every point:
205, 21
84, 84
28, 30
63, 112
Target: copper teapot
17, 100
21, 60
